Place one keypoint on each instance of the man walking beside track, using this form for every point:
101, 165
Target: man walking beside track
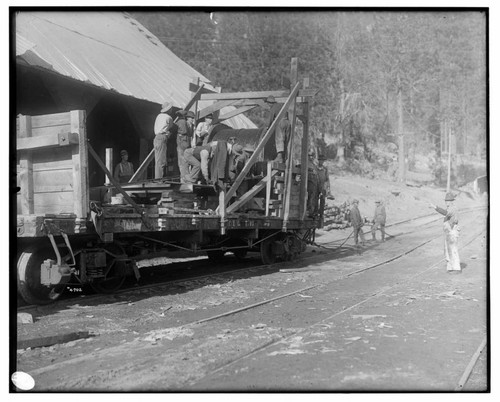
379, 220
357, 223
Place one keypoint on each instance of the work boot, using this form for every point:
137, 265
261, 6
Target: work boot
279, 158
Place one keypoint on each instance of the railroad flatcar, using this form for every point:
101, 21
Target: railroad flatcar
71, 233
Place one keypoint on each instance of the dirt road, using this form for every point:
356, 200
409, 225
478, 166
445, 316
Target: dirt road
347, 324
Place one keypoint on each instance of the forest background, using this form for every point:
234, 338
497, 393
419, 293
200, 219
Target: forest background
379, 75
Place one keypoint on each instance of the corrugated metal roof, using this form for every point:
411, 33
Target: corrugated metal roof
110, 50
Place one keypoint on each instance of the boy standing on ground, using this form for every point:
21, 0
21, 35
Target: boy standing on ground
379, 220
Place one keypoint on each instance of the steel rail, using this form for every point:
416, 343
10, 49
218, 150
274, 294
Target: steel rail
470, 366
295, 333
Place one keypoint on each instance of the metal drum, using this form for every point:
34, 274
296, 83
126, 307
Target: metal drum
247, 136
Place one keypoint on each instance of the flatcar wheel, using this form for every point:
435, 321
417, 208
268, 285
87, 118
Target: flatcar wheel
215, 255
28, 277
240, 253
115, 277
267, 254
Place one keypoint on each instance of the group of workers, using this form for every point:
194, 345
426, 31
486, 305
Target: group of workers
197, 156
450, 228
193, 147
194, 150
377, 223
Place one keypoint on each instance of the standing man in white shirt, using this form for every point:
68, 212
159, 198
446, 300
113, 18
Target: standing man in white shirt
163, 124
202, 131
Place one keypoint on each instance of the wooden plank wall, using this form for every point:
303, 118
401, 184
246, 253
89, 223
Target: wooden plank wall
53, 180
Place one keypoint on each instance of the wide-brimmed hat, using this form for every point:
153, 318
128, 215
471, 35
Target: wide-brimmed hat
190, 114
449, 197
355, 201
321, 157
123, 152
181, 113
378, 201
209, 116
249, 148
270, 99
237, 149
166, 107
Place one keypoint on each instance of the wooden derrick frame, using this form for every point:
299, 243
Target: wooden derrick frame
244, 101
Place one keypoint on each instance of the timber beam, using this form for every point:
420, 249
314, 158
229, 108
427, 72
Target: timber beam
257, 95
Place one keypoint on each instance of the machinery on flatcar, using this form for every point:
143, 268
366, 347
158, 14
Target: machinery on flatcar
69, 233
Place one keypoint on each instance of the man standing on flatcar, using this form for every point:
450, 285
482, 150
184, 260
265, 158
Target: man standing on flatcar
162, 127
202, 131
124, 170
313, 189
184, 135
198, 158
283, 129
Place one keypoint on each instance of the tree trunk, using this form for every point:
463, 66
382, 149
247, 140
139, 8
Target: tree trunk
341, 146
401, 155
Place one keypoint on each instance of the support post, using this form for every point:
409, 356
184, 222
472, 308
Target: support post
109, 164
222, 212
289, 161
268, 186
80, 167
26, 169
304, 159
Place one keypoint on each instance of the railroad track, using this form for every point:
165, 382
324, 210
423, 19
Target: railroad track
292, 333
243, 265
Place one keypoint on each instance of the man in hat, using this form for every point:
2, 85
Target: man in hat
240, 156
451, 234
313, 189
203, 130
283, 130
323, 184
190, 122
357, 223
184, 136
323, 177
162, 128
379, 220
124, 170
197, 158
